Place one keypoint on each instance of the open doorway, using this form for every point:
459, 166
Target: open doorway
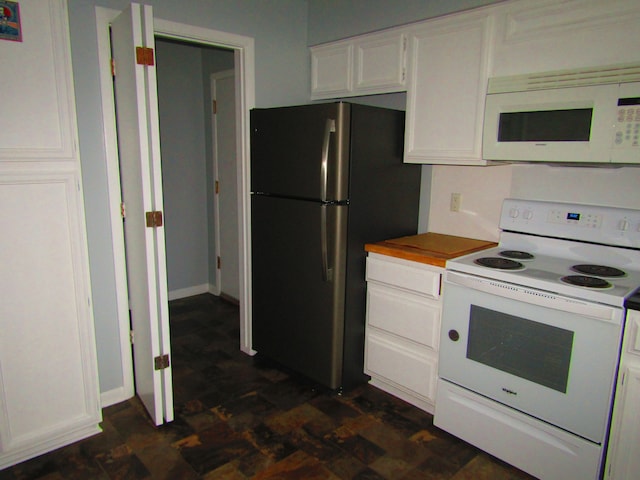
243, 52
197, 137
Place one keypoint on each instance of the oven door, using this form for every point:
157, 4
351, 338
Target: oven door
551, 357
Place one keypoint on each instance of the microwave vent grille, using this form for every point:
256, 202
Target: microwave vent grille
566, 78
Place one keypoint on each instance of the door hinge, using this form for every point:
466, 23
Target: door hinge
154, 219
161, 362
217, 187
215, 106
131, 338
144, 56
113, 67
219, 262
123, 210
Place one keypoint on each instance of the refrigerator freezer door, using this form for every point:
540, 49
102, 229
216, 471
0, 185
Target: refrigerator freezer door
301, 152
298, 310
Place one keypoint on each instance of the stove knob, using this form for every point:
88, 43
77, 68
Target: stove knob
623, 225
527, 215
454, 335
514, 212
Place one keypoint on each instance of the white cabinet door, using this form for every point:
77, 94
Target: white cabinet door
331, 70
379, 63
48, 368
550, 35
141, 178
364, 65
446, 87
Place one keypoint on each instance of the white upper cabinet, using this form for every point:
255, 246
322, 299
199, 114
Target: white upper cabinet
550, 35
364, 65
331, 70
449, 60
446, 87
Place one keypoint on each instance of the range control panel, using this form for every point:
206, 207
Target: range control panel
589, 223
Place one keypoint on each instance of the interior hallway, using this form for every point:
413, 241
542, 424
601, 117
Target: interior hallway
239, 417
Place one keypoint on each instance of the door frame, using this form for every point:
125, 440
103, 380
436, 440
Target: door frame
244, 51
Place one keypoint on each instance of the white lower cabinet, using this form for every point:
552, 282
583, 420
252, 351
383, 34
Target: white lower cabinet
403, 328
623, 461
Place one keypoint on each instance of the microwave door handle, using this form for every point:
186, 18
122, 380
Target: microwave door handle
329, 128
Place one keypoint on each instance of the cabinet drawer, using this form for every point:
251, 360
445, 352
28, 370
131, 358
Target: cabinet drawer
404, 366
404, 274
410, 316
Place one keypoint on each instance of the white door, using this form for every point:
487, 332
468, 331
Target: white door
141, 179
225, 158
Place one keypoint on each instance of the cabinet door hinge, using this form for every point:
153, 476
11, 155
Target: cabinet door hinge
144, 56
219, 262
161, 362
217, 187
131, 337
113, 67
214, 106
154, 219
123, 210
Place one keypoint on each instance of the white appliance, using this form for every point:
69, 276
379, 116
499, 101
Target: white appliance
586, 115
531, 333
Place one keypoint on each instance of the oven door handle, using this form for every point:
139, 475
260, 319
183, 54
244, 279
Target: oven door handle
536, 297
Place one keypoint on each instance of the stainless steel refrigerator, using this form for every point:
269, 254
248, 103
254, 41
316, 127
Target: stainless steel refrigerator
325, 180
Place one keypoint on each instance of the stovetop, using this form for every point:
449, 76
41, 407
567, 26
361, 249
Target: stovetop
533, 230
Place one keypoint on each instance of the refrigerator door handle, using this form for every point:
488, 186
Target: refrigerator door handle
330, 127
327, 271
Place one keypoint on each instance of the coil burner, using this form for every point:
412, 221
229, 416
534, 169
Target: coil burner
499, 263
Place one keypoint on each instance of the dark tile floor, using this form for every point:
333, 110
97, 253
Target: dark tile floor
239, 417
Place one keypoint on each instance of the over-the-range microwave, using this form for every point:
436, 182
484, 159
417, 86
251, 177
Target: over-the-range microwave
587, 115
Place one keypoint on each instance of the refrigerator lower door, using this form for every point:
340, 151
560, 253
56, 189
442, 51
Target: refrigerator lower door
298, 271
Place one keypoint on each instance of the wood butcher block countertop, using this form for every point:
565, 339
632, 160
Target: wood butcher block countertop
431, 248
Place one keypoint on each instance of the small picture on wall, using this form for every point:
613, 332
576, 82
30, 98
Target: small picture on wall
10, 21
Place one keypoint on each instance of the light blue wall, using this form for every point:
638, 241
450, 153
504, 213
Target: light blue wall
335, 19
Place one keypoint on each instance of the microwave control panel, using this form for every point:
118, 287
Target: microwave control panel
628, 123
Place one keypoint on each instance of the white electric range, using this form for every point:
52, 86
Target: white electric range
531, 333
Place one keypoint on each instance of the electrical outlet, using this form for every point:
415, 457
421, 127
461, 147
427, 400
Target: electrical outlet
456, 200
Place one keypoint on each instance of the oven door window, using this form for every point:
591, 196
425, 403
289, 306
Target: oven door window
530, 350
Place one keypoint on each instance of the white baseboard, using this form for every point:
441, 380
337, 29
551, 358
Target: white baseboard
189, 291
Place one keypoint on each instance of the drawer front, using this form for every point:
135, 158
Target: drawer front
404, 274
410, 316
401, 365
